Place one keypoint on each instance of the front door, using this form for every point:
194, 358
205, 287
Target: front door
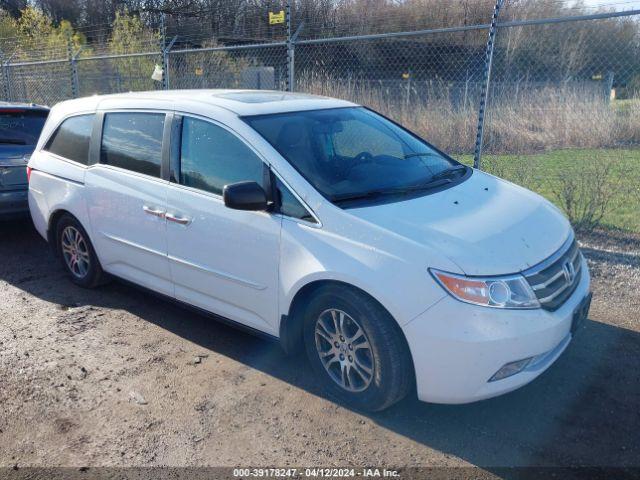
222, 260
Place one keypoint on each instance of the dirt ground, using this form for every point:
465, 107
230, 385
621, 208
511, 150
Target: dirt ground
117, 377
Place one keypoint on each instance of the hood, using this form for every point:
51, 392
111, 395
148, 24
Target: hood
485, 225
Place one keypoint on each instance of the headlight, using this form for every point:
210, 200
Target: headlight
511, 291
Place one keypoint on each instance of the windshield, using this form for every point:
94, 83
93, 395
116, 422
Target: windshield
21, 126
350, 153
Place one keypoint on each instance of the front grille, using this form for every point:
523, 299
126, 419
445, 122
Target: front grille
555, 279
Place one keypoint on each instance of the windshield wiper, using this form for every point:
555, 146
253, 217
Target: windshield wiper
449, 172
347, 197
421, 154
12, 141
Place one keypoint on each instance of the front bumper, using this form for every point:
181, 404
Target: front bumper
457, 347
13, 204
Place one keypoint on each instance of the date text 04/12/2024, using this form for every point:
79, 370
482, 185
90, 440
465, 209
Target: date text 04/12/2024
315, 472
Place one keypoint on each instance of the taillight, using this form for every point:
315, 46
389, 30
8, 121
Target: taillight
29, 174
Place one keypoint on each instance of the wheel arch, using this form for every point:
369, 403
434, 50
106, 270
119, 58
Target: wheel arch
291, 325
54, 218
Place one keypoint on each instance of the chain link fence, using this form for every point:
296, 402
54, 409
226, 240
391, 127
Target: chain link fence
247, 66
116, 74
38, 82
562, 112
563, 116
429, 82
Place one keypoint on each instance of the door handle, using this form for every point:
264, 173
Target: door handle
179, 220
153, 211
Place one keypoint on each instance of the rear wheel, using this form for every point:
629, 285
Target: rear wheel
77, 254
357, 349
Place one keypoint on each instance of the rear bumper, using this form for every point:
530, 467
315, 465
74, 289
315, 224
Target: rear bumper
13, 204
457, 347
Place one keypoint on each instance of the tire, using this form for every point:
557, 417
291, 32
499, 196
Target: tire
72, 243
379, 371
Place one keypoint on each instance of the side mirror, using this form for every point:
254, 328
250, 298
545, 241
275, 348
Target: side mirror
245, 196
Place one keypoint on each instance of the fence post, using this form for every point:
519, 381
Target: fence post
484, 94
164, 50
73, 66
608, 86
75, 87
7, 86
6, 70
291, 52
75, 79
165, 53
165, 63
291, 76
5, 78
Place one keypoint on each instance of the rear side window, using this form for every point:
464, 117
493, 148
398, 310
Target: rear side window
21, 126
133, 141
71, 139
212, 157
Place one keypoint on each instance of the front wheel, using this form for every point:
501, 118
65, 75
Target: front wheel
357, 349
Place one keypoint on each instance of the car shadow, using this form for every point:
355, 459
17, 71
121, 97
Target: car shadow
584, 411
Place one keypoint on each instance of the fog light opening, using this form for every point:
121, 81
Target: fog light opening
510, 369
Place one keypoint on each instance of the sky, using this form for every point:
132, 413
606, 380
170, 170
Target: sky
616, 4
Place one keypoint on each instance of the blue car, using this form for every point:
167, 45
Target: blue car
20, 127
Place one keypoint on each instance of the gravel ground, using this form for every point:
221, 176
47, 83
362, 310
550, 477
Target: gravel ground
117, 377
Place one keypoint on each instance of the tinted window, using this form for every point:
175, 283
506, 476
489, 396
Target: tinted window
352, 153
356, 136
289, 204
71, 139
21, 127
133, 141
211, 157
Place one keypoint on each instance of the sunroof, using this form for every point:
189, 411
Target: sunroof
261, 97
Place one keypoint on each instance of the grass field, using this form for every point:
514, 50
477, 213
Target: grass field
626, 106
541, 172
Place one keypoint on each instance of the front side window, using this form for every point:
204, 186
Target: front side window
71, 139
212, 157
353, 153
289, 205
133, 141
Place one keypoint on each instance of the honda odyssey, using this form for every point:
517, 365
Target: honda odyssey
322, 224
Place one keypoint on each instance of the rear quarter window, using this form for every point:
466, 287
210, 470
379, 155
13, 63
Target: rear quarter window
71, 139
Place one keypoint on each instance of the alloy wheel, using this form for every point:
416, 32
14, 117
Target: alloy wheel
344, 350
75, 252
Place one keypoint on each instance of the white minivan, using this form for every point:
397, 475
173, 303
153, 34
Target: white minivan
320, 223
